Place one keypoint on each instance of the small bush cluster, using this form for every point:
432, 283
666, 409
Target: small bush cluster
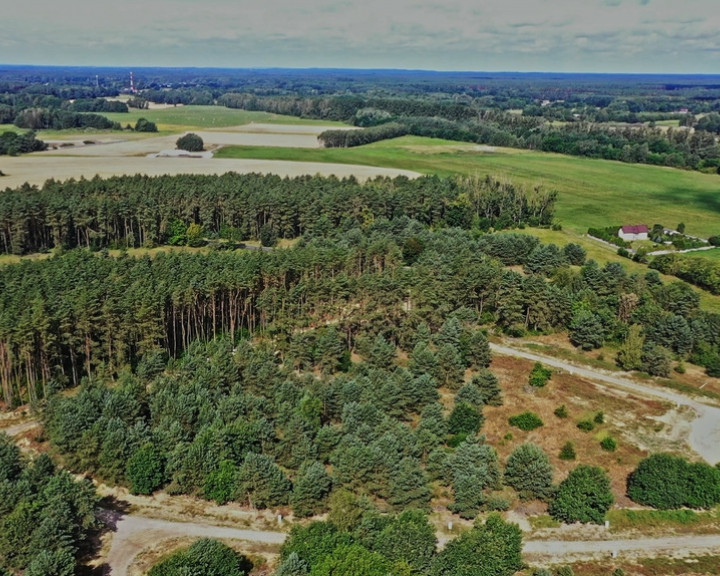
526, 421
539, 375
609, 234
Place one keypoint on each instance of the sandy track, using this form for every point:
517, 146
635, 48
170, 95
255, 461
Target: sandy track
647, 547
16, 429
704, 437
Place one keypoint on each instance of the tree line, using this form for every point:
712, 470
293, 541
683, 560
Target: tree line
471, 122
702, 272
131, 211
12, 143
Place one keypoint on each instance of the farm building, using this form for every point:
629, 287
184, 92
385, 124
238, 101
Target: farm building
630, 233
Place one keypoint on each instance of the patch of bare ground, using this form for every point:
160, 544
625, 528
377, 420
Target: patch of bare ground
676, 564
631, 420
262, 128
694, 377
37, 169
183, 508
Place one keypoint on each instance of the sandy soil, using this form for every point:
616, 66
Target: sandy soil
132, 534
36, 170
702, 433
306, 129
114, 156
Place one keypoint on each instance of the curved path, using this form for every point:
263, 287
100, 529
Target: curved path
705, 428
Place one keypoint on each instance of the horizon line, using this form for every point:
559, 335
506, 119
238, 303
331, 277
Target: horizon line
357, 69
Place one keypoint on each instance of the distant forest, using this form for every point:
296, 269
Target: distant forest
616, 117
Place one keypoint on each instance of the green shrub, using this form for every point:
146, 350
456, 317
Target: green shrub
539, 375
586, 425
526, 421
669, 482
145, 470
599, 418
567, 452
584, 496
190, 143
561, 411
496, 504
144, 125
465, 419
207, 557
608, 444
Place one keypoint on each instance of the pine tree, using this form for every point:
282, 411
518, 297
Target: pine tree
529, 472
311, 490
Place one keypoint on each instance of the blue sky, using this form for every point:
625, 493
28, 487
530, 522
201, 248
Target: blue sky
654, 36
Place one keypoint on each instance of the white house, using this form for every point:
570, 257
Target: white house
630, 233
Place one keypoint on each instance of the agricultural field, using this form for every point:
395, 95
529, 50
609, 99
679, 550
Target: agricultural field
76, 154
181, 118
592, 193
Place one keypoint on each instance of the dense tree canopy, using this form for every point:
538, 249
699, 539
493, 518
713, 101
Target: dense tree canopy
665, 481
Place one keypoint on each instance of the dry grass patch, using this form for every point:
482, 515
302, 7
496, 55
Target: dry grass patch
626, 418
694, 565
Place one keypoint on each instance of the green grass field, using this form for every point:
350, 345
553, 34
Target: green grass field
181, 118
592, 193
709, 254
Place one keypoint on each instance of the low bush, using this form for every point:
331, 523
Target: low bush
586, 425
561, 411
567, 452
608, 444
526, 421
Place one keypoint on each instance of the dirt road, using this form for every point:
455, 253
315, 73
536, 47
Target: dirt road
704, 437
135, 533
647, 547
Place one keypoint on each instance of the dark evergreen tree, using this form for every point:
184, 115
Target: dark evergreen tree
529, 472
584, 496
311, 490
490, 549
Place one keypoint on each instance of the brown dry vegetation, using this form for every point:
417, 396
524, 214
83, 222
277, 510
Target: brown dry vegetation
694, 382
627, 418
686, 566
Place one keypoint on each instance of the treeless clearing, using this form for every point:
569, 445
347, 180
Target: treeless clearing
36, 170
113, 158
113, 155
636, 423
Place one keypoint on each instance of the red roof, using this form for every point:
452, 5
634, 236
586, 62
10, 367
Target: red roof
640, 229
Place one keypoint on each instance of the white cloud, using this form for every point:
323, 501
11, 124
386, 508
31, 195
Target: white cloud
500, 34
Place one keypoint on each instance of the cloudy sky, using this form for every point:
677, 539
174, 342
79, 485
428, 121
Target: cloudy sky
680, 36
